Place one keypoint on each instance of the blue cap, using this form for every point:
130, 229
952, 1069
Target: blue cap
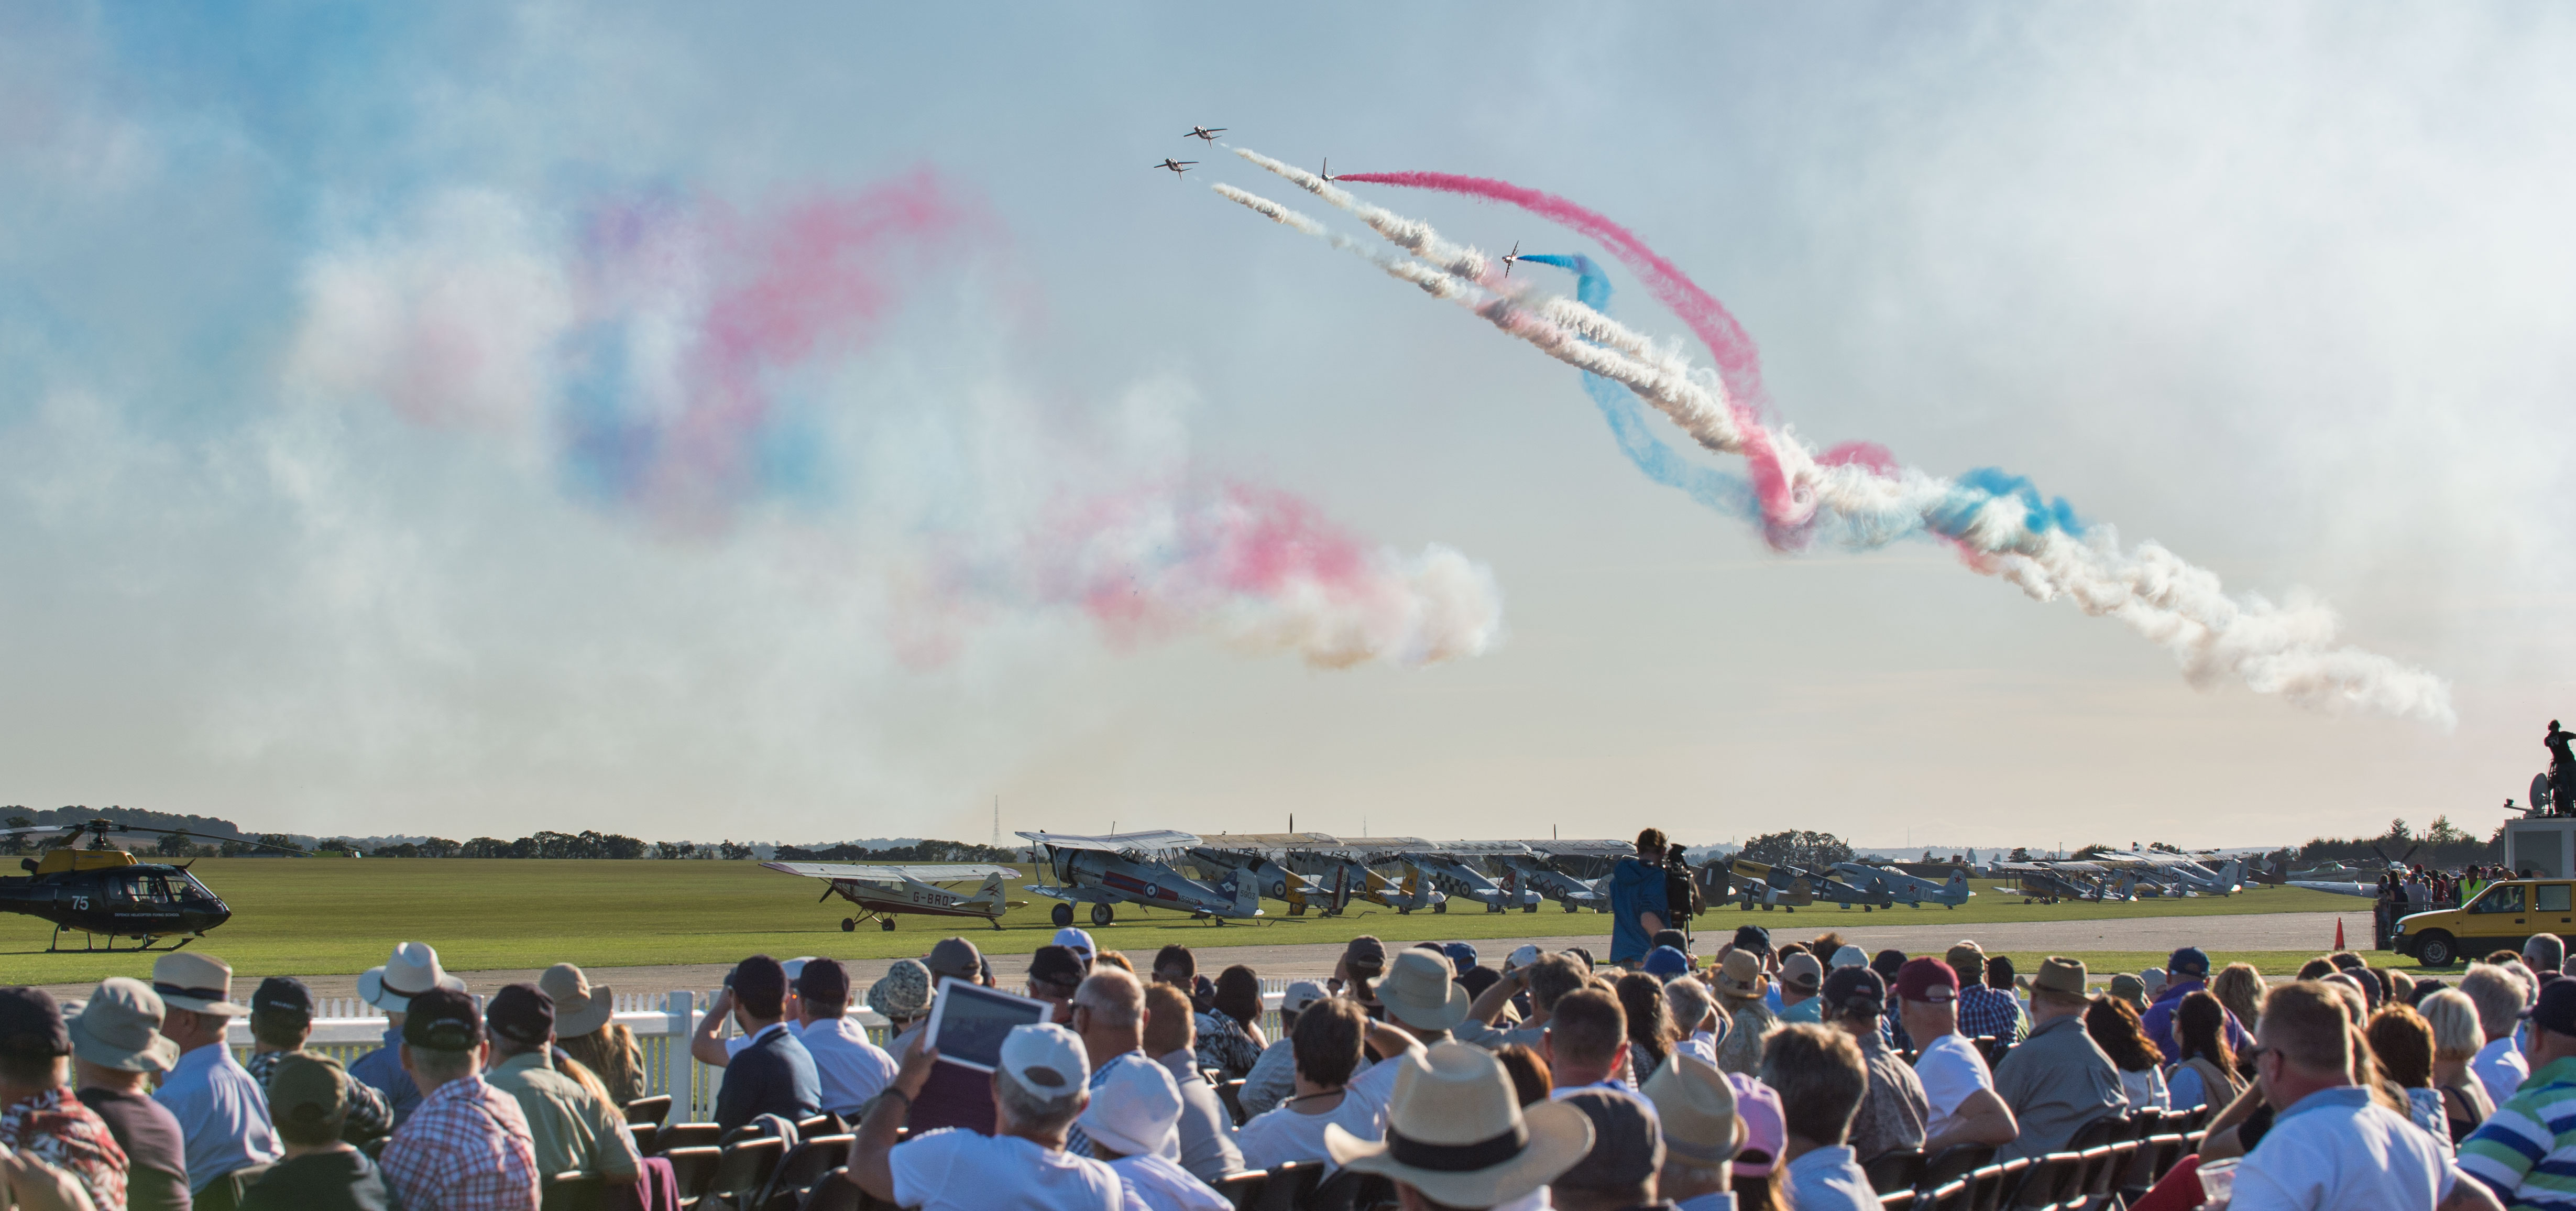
2188, 959
1461, 955
1665, 962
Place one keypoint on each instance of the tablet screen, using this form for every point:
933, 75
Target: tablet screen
969, 1021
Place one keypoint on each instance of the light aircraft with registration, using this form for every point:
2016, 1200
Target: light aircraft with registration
885, 892
1136, 868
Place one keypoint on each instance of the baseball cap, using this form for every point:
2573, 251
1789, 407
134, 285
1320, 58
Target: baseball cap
1627, 1142
1300, 995
521, 1013
1671, 937
954, 957
1665, 963
1855, 990
794, 967
1849, 956
1460, 954
2188, 961
309, 1089
1753, 938
1057, 965
824, 982
1047, 1059
1134, 1109
1523, 956
1966, 954
1801, 972
442, 1019
1366, 952
2556, 1009
283, 994
1927, 980
31, 1024
1076, 941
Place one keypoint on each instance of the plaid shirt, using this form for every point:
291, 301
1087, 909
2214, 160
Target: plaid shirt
466, 1147
1989, 1011
58, 1130
370, 1113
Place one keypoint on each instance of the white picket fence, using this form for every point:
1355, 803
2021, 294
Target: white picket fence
346, 1028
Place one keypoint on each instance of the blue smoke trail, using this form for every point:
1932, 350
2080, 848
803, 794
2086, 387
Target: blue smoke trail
1733, 494
1726, 493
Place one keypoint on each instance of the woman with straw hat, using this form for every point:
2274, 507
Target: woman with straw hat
586, 1030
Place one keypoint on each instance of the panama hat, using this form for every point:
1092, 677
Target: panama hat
1455, 1132
1421, 991
120, 1028
411, 971
196, 981
581, 1007
1697, 1109
1741, 975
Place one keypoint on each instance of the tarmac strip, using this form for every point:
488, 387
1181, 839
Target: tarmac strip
2310, 931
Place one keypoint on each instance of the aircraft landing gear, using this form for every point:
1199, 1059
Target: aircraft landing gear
886, 925
1061, 914
1569, 906
1101, 915
1442, 906
849, 925
1533, 907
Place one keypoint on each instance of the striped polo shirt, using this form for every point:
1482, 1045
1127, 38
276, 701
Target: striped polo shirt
2526, 1150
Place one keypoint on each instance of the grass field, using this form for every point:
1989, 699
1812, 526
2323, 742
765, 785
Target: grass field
328, 916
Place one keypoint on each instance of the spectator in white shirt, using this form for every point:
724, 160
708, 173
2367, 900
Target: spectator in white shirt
2332, 1146
1038, 1090
1130, 1116
1965, 1109
851, 1068
1274, 1075
1326, 1039
2500, 996
1695, 1105
1206, 1130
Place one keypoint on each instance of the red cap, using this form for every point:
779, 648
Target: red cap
1928, 980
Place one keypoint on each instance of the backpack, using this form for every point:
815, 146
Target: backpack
1681, 892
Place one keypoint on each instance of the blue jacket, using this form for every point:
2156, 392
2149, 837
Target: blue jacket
1636, 886
772, 1076
383, 1069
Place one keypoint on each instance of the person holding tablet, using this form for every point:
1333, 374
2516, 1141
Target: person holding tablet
1039, 1088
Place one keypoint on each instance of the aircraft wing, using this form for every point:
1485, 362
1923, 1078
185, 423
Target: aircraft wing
2364, 890
932, 872
1587, 849
1272, 841
1478, 849
1116, 842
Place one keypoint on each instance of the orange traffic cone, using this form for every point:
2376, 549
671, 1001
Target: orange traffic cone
2338, 933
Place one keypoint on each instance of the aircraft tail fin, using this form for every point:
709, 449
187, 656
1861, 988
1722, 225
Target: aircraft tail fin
1247, 894
991, 892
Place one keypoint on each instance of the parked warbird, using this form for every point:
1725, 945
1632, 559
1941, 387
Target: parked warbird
1828, 889
1136, 868
1907, 889
1344, 869
1256, 856
1568, 872
885, 892
1760, 883
1453, 865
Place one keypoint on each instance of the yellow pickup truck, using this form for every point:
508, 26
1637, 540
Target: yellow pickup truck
2502, 917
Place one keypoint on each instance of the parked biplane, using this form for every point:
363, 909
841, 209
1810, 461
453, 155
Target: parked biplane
1453, 865
1896, 885
885, 892
1345, 870
1136, 868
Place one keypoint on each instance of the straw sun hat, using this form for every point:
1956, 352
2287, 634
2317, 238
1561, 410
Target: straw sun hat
1455, 1132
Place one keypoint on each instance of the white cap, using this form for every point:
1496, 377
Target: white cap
1850, 956
1047, 1059
1523, 957
1135, 1109
795, 967
1300, 995
1078, 940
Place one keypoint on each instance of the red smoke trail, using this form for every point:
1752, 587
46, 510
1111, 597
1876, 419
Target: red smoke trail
1739, 363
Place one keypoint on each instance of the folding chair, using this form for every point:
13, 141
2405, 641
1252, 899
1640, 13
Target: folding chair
1952, 1195
1895, 1169
573, 1190
834, 1193
2045, 1184
693, 1167
743, 1168
1896, 1200
1955, 1161
688, 1135
1231, 1093
656, 1109
1350, 1191
1242, 1189
812, 1160
1291, 1187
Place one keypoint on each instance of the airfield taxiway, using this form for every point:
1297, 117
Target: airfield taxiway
2313, 932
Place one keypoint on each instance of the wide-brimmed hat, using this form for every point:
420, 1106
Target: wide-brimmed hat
1421, 992
2130, 988
581, 1007
1456, 1132
2059, 975
120, 1028
1741, 976
1697, 1109
198, 982
411, 971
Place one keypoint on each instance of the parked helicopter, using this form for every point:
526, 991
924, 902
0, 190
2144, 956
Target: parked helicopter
1128, 868
107, 893
883, 892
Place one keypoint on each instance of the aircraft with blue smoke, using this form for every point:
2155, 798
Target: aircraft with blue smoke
1136, 868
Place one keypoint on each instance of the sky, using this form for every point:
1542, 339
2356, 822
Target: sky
822, 422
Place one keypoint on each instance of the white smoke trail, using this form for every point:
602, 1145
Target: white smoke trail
2289, 650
